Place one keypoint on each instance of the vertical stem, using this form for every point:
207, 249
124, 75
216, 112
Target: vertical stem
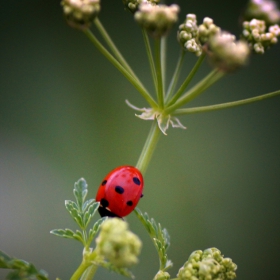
80, 270
149, 147
159, 73
187, 80
136, 83
200, 87
113, 47
89, 273
175, 75
150, 56
163, 53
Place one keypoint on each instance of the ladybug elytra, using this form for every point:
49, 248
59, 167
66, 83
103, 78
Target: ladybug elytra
120, 191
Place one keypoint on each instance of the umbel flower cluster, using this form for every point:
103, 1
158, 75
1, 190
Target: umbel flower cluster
193, 37
265, 10
157, 19
80, 13
258, 37
117, 244
209, 264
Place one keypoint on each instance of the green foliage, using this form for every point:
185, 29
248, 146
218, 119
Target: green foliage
94, 230
160, 237
82, 212
22, 270
68, 233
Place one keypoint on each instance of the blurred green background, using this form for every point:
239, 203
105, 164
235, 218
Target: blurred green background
63, 117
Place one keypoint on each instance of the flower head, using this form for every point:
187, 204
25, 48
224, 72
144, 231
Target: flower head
80, 13
266, 10
157, 19
209, 264
187, 35
255, 33
207, 29
117, 244
226, 53
193, 37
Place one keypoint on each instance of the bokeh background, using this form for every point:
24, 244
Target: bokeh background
63, 117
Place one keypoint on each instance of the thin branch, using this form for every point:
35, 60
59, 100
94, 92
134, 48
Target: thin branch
221, 106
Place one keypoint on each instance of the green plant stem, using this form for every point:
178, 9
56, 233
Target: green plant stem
113, 47
149, 147
86, 269
160, 94
163, 52
209, 108
89, 273
176, 75
150, 56
80, 270
200, 87
187, 80
115, 62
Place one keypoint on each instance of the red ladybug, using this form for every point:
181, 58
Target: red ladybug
120, 191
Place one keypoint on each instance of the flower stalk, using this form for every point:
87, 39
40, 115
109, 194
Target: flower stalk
160, 93
137, 84
187, 80
226, 105
113, 47
149, 147
150, 56
175, 76
199, 88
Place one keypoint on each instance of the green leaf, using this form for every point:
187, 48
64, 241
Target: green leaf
73, 210
68, 233
22, 270
94, 230
80, 192
160, 237
89, 213
87, 204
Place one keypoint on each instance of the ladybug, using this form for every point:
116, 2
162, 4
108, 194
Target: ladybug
120, 191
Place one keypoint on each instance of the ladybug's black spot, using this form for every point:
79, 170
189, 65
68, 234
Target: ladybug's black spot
136, 181
104, 183
142, 195
119, 189
129, 203
104, 202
